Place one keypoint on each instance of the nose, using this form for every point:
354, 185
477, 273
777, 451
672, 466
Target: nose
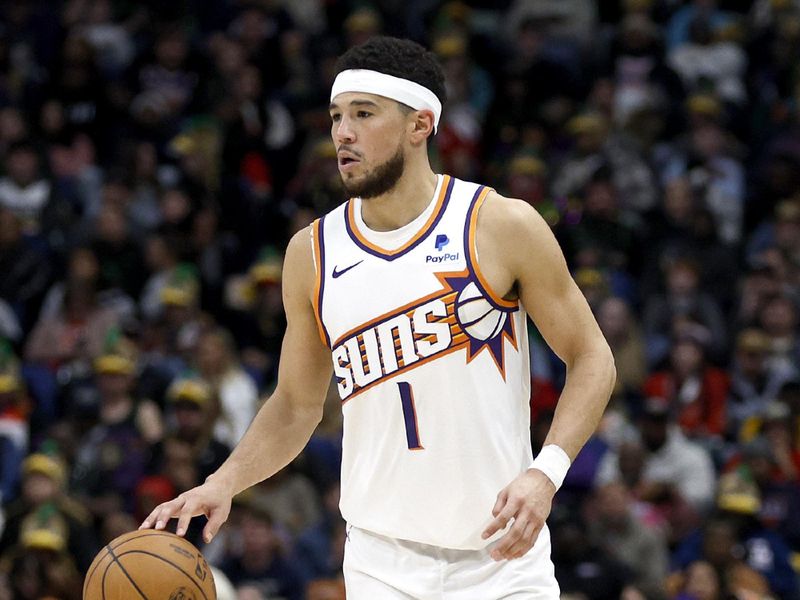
343, 131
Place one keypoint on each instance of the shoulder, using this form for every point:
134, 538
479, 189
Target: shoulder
502, 216
298, 267
516, 232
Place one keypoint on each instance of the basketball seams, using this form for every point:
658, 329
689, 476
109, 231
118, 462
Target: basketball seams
125, 572
104, 562
188, 575
501, 322
94, 566
471, 300
486, 329
139, 535
109, 548
465, 324
103, 582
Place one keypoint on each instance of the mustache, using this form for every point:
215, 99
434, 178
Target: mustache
348, 149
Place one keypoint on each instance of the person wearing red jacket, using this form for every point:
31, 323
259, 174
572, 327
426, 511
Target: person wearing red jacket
696, 391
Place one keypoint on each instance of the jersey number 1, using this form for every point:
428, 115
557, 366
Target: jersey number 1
409, 416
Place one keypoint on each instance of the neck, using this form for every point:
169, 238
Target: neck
404, 202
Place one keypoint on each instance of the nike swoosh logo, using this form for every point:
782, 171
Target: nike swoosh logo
345, 270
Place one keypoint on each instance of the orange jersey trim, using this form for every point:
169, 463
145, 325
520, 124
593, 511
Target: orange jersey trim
473, 254
319, 261
424, 230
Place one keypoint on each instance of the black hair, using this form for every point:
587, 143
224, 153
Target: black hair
397, 57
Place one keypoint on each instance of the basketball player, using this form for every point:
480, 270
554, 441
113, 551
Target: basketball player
414, 294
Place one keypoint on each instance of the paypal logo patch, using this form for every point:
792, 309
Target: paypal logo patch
440, 258
441, 241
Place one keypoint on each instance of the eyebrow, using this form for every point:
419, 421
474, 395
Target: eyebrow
334, 106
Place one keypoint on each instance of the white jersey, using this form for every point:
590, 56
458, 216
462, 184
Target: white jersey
432, 368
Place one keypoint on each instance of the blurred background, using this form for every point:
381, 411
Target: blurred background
155, 158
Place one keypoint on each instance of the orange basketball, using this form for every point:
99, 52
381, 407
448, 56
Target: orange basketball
149, 565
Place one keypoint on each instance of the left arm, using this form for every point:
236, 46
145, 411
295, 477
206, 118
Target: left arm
518, 252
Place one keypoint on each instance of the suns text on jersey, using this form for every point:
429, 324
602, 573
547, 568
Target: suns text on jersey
395, 343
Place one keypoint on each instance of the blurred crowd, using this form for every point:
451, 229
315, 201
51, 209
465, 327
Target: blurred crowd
155, 158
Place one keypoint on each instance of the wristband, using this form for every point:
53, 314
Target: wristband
554, 463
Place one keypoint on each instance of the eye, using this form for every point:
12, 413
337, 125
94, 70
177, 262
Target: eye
363, 114
335, 117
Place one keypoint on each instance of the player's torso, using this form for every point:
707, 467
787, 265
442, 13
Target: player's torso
432, 368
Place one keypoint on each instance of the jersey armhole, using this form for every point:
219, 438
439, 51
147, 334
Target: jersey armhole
471, 248
318, 248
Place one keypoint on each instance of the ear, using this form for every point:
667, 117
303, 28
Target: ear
421, 126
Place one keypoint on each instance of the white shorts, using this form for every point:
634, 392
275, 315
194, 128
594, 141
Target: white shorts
378, 568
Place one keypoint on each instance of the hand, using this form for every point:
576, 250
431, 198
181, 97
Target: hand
527, 500
211, 499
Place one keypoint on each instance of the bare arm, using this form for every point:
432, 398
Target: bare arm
563, 317
519, 254
283, 425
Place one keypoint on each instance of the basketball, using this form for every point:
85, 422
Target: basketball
477, 317
149, 565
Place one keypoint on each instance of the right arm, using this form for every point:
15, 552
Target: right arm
283, 425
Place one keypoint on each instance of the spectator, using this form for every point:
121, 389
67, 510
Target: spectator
708, 60
191, 405
604, 238
616, 321
76, 332
682, 299
320, 548
14, 435
616, 529
779, 318
754, 382
581, 567
734, 526
24, 190
293, 501
165, 84
218, 364
261, 565
112, 456
696, 391
257, 320
119, 255
674, 470
162, 259
44, 500
26, 271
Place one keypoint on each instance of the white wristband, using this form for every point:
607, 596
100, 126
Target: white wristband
553, 462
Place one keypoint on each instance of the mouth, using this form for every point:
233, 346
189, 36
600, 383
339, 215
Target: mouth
348, 163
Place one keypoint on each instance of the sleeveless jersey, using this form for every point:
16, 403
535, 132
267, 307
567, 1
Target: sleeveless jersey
432, 367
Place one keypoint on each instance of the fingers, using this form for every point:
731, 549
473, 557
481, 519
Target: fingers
499, 522
525, 542
502, 498
162, 513
184, 517
511, 537
517, 541
215, 521
501, 519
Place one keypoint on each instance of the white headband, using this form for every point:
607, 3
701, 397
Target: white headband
408, 92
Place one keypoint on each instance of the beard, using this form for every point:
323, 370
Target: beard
381, 180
